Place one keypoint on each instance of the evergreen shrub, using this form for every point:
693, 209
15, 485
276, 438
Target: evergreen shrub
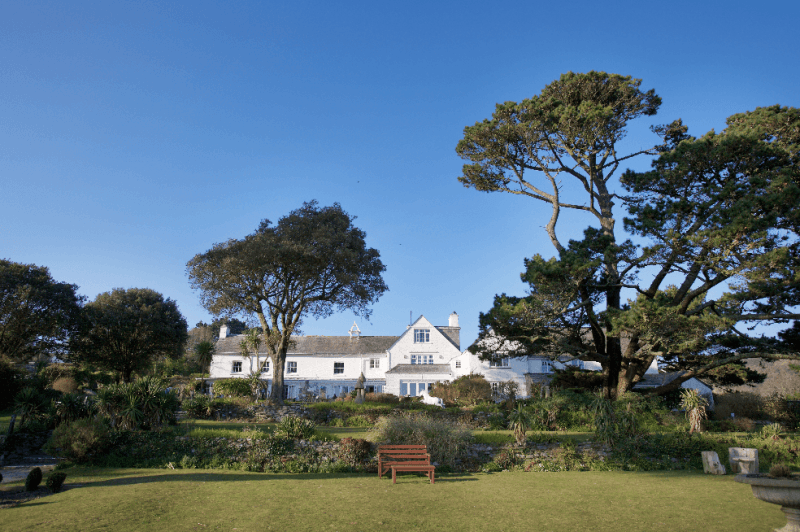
295, 428
354, 451
234, 387
467, 390
446, 441
359, 420
55, 481
79, 440
200, 407
33, 479
142, 404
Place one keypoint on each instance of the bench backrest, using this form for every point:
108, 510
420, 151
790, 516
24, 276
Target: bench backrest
403, 448
402, 451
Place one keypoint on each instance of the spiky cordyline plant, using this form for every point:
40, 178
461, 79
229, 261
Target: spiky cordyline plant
695, 406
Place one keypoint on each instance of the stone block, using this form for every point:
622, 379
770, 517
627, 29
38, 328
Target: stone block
711, 463
743, 460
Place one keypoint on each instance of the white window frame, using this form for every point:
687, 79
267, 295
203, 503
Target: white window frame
374, 363
265, 367
291, 367
458, 364
338, 368
547, 366
236, 367
502, 363
421, 359
422, 336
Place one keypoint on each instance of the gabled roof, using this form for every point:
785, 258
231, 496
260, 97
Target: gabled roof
319, 345
450, 333
653, 380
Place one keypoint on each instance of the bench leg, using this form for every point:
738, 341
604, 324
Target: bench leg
394, 476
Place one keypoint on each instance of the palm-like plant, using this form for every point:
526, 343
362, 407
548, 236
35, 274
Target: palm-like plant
519, 421
29, 404
144, 403
257, 384
204, 354
72, 406
131, 414
695, 406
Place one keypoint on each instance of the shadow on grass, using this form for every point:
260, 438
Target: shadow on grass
253, 477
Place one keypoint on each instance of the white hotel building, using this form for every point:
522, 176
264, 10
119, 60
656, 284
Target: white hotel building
401, 365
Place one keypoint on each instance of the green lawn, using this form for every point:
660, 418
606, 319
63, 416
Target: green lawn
5, 419
120, 499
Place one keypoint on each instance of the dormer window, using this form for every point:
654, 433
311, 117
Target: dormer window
422, 336
547, 367
499, 363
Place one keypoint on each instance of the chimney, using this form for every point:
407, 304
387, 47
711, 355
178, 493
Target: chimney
223, 332
454, 319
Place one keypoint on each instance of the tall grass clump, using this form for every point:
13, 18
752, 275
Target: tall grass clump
295, 428
446, 441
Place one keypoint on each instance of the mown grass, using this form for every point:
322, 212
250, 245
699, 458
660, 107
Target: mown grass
5, 420
120, 500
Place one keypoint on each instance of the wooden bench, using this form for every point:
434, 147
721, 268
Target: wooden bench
429, 469
404, 456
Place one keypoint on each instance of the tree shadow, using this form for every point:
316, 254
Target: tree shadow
202, 476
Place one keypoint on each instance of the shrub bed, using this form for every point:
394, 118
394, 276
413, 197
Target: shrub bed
79, 440
447, 442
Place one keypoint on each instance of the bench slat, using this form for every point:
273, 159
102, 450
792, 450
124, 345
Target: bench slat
402, 455
422, 468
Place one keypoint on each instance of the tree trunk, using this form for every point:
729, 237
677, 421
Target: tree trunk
279, 361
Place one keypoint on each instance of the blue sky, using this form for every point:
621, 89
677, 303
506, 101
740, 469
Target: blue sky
134, 135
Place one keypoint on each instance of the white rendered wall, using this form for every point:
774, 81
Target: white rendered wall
439, 346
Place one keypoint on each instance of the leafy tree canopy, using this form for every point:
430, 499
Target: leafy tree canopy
235, 326
718, 215
38, 315
126, 330
313, 262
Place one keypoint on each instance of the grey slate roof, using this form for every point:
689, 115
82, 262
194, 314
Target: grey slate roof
420, 368
451, 333
658, 379
320, 345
